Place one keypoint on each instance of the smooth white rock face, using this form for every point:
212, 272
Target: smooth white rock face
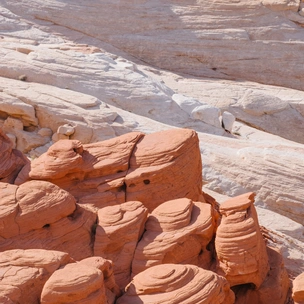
76, 72
259, 41
227, 121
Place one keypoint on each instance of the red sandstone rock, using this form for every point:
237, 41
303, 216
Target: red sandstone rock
151, 168
42, 203
241, 250
274, 288
298, 289
112, 289
11, 161
118, 231
176, 284
177, 231
31, 206
75, 283
165, 165
24, 272
41, 215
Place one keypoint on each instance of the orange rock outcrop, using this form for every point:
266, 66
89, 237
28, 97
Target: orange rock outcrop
149, 168
175, 284
24, 273
118, 231
240, 248
130, 207
177, 231
42, 215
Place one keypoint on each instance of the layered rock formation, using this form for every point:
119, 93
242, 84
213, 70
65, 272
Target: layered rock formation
240, 248
60, 81
24, 272
39, 214
44, 276
224, 45
119, 229
174, 284
176, 232
130, 167
75, 283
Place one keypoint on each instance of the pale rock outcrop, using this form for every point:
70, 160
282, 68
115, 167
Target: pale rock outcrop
41, 215
298, 289
267, 167
159, 168
13, 107
208, 114
11, 161
246, 40
25, 140
75, 283
175, 284
24, 272
240, 247
177, 232
119, 229
198, 110
273, 109
227, 121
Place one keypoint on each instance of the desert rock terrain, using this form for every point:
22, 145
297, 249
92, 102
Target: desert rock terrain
105, 76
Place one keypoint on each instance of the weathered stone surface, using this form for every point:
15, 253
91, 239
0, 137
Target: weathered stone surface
31, 206
106, 266
240, 247
75, 283
13, 107
118, 231
24, 272
66, 130
231, 40
174, 284
159, 168
275, 287
11, 161
25, 141
176, 232
227, 121
298, 289
133, 166
72, 234
80, 169
41, 215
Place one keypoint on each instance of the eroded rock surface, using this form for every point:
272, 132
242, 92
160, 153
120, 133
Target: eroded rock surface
75, 283
24, 272
174, 284
240, 247
159, 168
42, 215
119, 229
176, 232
